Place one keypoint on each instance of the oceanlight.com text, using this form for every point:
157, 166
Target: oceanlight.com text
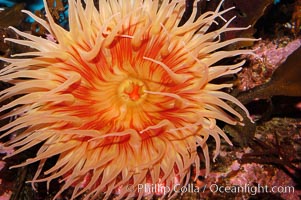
250, 189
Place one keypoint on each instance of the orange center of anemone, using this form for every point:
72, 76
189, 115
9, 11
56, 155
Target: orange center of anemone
132, 90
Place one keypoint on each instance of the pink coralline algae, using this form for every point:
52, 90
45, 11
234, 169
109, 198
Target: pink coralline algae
7, 193
269, 56
265, 176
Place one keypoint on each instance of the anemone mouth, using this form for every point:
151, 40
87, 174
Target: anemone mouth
131, 91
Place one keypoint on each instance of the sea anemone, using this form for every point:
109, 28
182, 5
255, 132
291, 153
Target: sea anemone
125, 96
